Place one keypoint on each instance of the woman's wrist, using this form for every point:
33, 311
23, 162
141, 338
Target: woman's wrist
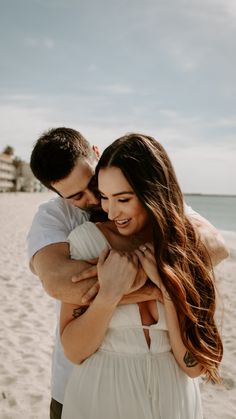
166, 295
103, 298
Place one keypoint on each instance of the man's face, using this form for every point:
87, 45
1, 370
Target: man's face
79, 186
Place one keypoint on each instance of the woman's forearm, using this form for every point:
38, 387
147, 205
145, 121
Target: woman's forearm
184, 358
82, 336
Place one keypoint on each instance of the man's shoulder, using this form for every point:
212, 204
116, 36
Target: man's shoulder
57, 214
188, 210
59, 206
52, 223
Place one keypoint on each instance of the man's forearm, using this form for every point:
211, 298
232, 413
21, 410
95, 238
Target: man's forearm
146, 293
55, 269
210, 237
60, 286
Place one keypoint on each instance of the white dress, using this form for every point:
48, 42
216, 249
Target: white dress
125, 378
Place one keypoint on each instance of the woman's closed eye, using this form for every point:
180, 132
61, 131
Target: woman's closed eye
104, 198
123, 200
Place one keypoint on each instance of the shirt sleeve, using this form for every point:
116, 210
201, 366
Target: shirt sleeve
52, 224
188, 210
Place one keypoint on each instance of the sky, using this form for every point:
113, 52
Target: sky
107, 67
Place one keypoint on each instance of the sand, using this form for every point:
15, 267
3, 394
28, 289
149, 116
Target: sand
28, 323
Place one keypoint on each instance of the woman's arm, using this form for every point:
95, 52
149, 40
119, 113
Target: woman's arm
184, 358
81, 336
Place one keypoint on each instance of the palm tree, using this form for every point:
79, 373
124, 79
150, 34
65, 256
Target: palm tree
9, 150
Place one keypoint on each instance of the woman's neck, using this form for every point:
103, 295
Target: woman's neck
122, 242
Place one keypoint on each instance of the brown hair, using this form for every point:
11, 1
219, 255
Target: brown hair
182, 259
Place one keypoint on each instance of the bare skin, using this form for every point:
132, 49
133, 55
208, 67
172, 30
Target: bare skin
130, 236
89, 327
52, 264
209, 235
55, 268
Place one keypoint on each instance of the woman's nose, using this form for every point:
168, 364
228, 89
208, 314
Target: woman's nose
112, 211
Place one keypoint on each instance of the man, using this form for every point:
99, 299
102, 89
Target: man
65, 162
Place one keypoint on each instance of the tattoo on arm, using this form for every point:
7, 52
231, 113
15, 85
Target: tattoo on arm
79, 311
189, 360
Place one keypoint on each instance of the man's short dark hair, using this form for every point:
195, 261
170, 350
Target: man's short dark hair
56, 153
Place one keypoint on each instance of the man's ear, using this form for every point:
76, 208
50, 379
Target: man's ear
96, 151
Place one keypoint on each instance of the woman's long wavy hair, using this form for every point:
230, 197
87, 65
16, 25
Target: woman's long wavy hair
182, 259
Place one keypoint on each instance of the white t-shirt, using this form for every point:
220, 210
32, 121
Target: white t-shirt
53, 223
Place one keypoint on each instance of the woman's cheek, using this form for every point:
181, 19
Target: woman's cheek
104, 205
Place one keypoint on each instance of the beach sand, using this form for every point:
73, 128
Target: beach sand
28, 323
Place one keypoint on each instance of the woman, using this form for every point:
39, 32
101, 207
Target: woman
141, 360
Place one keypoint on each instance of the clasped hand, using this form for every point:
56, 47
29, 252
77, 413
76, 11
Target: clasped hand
119, 273
141, 260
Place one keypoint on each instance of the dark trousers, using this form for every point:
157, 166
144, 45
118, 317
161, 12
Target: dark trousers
55, 409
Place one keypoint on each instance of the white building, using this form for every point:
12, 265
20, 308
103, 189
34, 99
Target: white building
25, 180
7, 173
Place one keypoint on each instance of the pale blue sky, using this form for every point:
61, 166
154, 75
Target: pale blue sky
107, 67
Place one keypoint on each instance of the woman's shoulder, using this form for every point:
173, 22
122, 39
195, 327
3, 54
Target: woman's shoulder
84, 229
86, 241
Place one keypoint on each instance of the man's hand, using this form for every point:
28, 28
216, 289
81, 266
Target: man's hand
88, 273
139, 282
91, 272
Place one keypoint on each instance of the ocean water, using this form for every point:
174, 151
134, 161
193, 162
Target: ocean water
219, 210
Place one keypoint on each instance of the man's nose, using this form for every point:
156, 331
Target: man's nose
91, 198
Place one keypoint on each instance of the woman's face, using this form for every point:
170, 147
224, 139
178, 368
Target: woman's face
120, 202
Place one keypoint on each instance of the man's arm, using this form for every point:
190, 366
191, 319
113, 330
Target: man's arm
210, 236
52, 264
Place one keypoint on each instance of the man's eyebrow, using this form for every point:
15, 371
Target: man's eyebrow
119, 193
80, 192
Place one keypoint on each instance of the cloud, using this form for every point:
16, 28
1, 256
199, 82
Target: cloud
205, 169
33, 42
116, 89
203, 162
92, 67
28, 124
227, 122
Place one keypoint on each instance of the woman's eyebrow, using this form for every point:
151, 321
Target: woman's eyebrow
119, 193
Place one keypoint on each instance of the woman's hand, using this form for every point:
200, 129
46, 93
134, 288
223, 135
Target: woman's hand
140, 279
145, 254
116, 273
